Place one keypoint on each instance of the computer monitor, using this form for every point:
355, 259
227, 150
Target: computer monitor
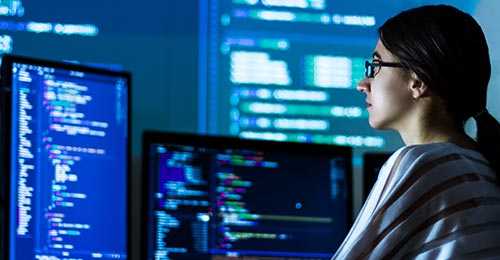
372, 163
65, 142
214, 197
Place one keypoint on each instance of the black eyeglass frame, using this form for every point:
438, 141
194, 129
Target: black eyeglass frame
370, 67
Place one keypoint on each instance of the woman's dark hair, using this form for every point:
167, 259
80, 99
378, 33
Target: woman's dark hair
447, 49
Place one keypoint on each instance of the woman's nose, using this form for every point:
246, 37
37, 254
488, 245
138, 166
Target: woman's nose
364, 85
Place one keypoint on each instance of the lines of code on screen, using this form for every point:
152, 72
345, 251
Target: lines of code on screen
212, 203
288, 70
69, 152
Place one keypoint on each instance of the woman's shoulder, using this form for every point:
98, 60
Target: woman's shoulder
431, 151
443, 157
440, 190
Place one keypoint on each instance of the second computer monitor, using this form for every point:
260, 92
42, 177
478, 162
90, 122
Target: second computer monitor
213, 197
65, 138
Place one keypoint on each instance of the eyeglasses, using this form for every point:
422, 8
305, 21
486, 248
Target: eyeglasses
372, 68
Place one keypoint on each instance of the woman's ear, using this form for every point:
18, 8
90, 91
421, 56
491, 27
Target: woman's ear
417, 87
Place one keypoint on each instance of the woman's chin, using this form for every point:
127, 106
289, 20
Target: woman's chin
377, 125
373, 124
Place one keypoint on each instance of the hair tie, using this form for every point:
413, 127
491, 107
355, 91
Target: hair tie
480, 113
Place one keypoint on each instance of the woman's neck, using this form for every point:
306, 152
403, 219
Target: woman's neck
436, 129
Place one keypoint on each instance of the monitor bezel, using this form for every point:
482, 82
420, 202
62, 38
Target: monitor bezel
6, 124
150, 137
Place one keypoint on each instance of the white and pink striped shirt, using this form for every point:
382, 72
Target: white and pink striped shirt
431, 201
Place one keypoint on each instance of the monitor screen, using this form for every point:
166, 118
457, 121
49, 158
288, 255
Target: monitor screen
65, 150
214, 197
288, 70
372, 163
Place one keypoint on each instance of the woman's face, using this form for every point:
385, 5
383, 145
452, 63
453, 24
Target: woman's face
388, 95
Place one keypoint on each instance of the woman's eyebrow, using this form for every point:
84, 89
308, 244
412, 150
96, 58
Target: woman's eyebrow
376, 55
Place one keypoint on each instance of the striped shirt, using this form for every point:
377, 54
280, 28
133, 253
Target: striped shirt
431, 201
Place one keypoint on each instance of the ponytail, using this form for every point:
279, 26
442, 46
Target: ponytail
488, 138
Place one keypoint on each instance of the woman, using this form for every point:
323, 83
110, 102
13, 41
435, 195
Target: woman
438, 197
